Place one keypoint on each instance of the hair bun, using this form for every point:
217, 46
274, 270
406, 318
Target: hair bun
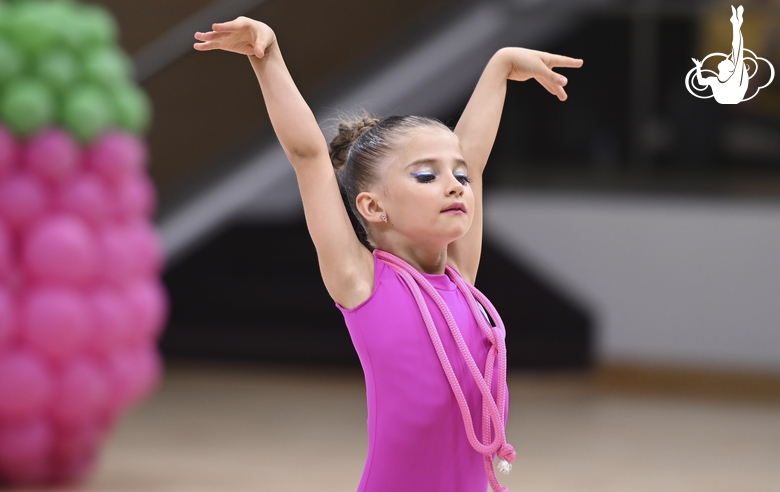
348, 133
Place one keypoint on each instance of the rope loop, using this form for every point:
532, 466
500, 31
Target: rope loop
492, 409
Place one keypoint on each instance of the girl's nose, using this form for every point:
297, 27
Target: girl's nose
456, 188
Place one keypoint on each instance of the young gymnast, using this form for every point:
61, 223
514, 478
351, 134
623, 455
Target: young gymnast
415, 188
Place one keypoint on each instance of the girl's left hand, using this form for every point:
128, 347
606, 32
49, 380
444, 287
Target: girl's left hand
526, 64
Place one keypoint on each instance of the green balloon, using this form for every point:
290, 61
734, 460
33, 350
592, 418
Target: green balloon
62, 18
4, 9
66, 19
107, 65
58, 67
31, 28
98, 25
133, 108
11, 61
87, 111
27, 105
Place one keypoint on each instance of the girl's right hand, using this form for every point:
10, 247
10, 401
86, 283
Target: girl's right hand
242, 35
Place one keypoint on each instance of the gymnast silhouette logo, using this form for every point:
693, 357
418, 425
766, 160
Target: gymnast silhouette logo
730, 84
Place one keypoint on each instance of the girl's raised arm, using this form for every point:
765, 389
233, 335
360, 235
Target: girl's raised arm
345, 263
478, 125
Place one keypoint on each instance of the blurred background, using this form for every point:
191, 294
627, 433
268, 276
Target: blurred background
638, 226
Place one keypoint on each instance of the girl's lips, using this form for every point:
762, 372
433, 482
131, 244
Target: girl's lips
455, 206
454, 211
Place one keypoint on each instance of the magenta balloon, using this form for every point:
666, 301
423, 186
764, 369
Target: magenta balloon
25, 384
86, 195
149, 304
24, 450
23, 199
135, 374
9, 151
74, 468
53, 155
113, 321
136, 198
81, 391
124, 378
7, 317
148, 259
116, 255
6, 251
61, 248
117, 156
150, 367
78, 439
75, 450
56, 321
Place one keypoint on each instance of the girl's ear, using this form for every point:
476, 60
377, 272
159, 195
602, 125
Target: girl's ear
369, 207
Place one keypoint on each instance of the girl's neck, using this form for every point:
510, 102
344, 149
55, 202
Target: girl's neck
423, 260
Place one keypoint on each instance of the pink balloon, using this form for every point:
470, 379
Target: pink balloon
53, 155
135, 374
23, 199
7, 317
24, 450
56, 321
6, 251
81, 392
148, 301
74, 467
118, 156
86, 195
61, 248
25, 384
136, 198
147, 245
113, 320
117, 258
9, 151
150, 366
77, 438
124, 379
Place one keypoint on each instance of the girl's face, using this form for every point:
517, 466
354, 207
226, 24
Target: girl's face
426, 175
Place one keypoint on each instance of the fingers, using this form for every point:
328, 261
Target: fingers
565, 61
205, 36
226, 26
554, 78
211, 40
209, 45
553, 88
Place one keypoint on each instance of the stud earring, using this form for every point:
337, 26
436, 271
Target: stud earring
383, 217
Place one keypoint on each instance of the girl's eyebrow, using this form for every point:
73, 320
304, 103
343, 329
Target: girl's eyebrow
419, 162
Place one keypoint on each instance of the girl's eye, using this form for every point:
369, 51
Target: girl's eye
424, 178
427, 178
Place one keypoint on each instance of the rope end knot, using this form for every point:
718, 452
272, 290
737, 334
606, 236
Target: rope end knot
507, 452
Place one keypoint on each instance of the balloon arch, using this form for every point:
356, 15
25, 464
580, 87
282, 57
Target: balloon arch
81, 301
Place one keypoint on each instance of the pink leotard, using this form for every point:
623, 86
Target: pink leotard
416, 434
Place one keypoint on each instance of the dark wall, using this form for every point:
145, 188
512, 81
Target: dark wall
256, 294
207, 103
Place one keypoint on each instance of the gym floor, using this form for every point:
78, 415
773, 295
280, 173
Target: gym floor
228, 428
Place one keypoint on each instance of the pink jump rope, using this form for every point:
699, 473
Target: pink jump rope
492, 411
